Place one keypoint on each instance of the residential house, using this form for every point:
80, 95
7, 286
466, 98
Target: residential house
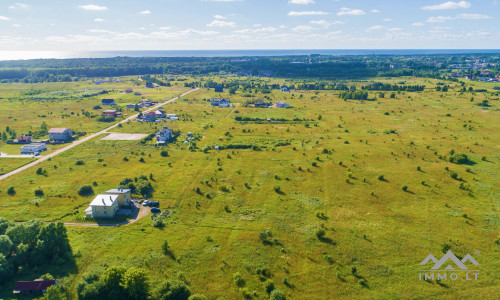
137, 93
164, 135
285, 89
103, 206
124, 198
160, 114
219, 89
220, 102
130, 106
38, 286
150, 85
149, 117
35, 148
111, 113
172, 117
282, 104
261, 103
60, 135
108, 102
24, 140
128, 91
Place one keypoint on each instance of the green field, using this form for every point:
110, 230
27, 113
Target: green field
320, 168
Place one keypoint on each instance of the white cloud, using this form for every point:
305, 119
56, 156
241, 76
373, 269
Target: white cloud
302, 2
348, 11
418, 24
260, 29
219, 17
395, 29
303, 28
374, 11
93, 7
448, 5
223, 0
19, 5
219, 23
145, 12
376, 27
98, 20
322, 23
387, 20
439, 19
307, 13
473, 17
3, 18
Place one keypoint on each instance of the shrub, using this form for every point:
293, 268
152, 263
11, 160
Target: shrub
459, 158
277, 295
125, 159
381, 178
404, 188
238, 280
141, 160
454, 175
164, 247
79, 163
86, 191
11, 191
320, 233
269, 286
164, 153
39, 192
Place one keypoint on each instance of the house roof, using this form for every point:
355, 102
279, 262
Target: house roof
104, 200
58, 130
36, 285
24, 138
118, 191
108, 100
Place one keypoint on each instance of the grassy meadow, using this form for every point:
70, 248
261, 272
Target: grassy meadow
373, 176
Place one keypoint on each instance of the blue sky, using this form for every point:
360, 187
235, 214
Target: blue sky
247, 24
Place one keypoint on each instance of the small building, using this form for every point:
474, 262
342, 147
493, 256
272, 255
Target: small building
35, 148
150, 85
130, 106
261, 103
129, 90
149, 117
172, 117
108, 102
24, 140
163, 136
138, 93
220, 102
282, 104
38, 286
219, 89
160, 114
285, 89
60, 134
103, 206
111, 113
124, 198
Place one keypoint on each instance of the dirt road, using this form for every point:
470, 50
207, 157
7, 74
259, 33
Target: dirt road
86, 139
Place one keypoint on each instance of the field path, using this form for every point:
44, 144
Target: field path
86, 139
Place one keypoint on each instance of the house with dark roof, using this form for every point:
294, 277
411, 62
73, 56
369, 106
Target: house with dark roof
219, 89
163, 136
38, 286
108, 102
24, 139
261, 103
220, 102
149, 117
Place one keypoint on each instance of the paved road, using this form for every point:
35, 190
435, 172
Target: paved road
86, 139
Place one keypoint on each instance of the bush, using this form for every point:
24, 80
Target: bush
11, 191
39, 192
164, 247
86, 191
459, 158
164, 153
238, 280
454, 175
79, 163
404, 188
320, 233
277, 295
381, 178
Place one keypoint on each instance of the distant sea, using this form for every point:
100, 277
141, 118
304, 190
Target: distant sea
20, 55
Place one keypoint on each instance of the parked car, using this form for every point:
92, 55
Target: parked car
145, 203
156, 203
155, 210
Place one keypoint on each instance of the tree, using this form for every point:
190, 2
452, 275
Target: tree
164, 247
39, 192
86, 191
164, 153
277, 295
6, 245
11, 191
4, 225
55, 292
135, 283
172, 290
197, 297
5, 268
112, 279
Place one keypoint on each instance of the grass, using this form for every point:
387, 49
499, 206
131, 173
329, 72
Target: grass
370, 224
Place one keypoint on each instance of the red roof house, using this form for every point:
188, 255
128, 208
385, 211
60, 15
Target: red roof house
36, 286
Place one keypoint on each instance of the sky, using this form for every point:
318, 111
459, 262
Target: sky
93, 25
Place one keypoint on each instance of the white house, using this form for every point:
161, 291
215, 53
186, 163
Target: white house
164, 136
285, 89
282, 104
220, 102
103, 206
124, 198
34, 148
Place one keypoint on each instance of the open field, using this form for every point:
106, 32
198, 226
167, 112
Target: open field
374, 175
123, 137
